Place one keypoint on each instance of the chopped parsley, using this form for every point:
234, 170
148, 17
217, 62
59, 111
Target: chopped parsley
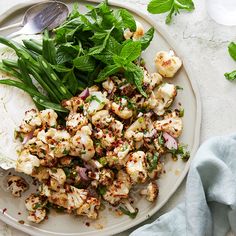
128, 213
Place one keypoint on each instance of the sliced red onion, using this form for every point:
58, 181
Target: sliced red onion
170, 142
27, 137
84, 94
89, 166
82, 173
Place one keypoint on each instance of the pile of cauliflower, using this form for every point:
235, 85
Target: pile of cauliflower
111, 140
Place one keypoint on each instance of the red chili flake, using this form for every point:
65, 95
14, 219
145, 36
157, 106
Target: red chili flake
9, 173
46, 217
4, 210
87, 224
19, 213
21, 222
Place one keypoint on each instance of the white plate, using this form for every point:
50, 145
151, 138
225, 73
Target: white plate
109, 223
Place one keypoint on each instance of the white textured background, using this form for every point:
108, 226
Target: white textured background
204, 47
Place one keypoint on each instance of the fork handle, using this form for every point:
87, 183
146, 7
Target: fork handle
10, 26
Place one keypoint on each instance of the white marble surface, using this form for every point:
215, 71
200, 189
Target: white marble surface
204, 48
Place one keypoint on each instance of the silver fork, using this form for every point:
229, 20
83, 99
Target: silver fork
39, 17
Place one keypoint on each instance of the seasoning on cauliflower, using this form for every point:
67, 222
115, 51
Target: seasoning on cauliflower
37, 216
167, 63
136, 167
17, 185
151, 192
48, 117
73, 104
172, 124
121, 109
75, 121
135, 130
89, 208
26, 162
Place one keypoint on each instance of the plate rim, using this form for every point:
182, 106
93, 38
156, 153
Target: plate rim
196, 141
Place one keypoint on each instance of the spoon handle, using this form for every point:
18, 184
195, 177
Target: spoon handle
11, 26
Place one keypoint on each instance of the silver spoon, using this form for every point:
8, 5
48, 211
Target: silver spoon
44, 15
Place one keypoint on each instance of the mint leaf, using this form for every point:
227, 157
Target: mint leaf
173, 6
159, 6
106, 72
131, 50
232, 50
147, 38
126, 19
230, 76
84, 63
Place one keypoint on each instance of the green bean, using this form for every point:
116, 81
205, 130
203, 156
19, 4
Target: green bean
32, 92
54, 78
10, 63
10, 71
48, 87
47, 104
49, 50
29, 44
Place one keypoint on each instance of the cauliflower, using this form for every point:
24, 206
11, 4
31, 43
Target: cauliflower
17, 185
41, 173
26, 162
117, 128
30, 121
119, 189
34, 202
37, 216
101, 119
97, 100
73, 104
58, 174
151, 192
167, 63
121, 109
82, 144
106, 177
165, 96
172, 124
35, 205
48, 117
135, 130
139, 33
107, 139
76, 197
150, 81
121, 151
89, 208
136, 167
75, 121
109, 85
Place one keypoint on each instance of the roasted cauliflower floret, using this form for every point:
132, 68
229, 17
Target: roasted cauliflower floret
41, 173
34, 202
106, 177
17, 185
37, 216
97, 100
58, 174
136, 167
167, 63
119, 189
121, 151
135, 131
82, 144
135, 35
31, 120
150, 81
172, 124
73, 104
151, 192
101, 119
76, 197
121, 109
26, 162
75, 121
89, 208
117, 128
165, 95
48, 117
109, 85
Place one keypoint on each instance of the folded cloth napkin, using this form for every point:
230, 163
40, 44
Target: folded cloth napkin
210, 199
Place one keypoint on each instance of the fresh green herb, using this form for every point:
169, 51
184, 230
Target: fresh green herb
171, 6
103, 161
180, 151
102, 190
37, 205
181, 112
128, 213
231, 76
178, 87
66, 152
161, 139
153, 162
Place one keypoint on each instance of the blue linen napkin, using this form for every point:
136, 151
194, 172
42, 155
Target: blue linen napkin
210, 199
